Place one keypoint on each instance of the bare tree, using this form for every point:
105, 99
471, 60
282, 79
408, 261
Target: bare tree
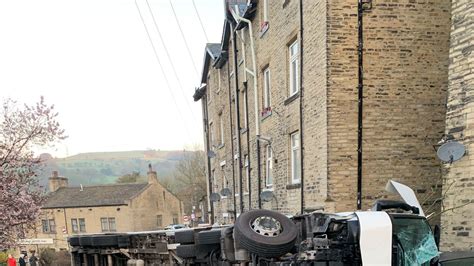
22, 128
190, 176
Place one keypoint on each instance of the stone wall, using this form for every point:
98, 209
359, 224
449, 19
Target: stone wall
457, 224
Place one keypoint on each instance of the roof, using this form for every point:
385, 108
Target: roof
93, 196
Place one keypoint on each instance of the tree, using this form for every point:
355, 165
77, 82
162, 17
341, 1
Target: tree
190, 176
22, 129
134, 177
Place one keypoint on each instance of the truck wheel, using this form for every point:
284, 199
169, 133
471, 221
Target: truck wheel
209, 237
186, 251
265, 233
184, 236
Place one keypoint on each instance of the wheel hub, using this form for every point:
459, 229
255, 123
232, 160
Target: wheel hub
266, 226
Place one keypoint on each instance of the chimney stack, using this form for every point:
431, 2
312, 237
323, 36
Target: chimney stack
56, 182
152, 176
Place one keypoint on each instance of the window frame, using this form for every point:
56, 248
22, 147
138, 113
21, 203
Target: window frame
221, 130
267, 102
45, 226
114, 224
293, 59
74, 225
269, 167
52, 226
247, 174
244, 96
82, 225
159, 220
295, 147
104, 221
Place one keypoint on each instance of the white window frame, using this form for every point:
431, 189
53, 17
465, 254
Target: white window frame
294, 72
269, 167
82, 226
74, 225
247, 174
295, 157
266, 88
221, 129
244, 95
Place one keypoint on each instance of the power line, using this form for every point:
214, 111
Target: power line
200, 21
169, 59
162, 69
184, 39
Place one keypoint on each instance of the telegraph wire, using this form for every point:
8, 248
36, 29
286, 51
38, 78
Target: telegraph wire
184, 39
170, 60
162, 70
200, 21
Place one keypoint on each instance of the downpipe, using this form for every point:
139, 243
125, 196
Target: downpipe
302, 206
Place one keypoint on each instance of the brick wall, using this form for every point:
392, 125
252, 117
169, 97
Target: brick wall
457, 224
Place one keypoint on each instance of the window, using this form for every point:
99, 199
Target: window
175, 220
108, 224
209, 91
246, 181
82, 225
159, 220
244, 96
294, 67
269, 166
74, 225
211, 135
214, 181
295, 158
266, 89
52, 226
221, 130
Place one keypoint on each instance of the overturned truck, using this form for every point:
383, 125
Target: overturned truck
392, 233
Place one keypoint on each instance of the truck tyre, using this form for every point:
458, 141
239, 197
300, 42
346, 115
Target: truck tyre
184, 236
186, 251
104, 241
74, 241
265, 233
209, 237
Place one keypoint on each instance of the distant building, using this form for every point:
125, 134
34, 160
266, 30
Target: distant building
286, 120
102, 209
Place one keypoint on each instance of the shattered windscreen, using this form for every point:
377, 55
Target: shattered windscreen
416, 240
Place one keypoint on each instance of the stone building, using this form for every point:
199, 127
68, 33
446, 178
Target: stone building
457, 224
285, 117
105, 208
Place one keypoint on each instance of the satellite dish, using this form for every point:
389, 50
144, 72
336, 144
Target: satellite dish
211, 154
266, 195
451, 151
215, 197
225, 192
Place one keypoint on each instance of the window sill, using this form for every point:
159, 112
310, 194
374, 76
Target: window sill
268, 188
243, 130
293, 186
291, 98
220, 146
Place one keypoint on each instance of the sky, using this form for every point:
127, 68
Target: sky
93, 60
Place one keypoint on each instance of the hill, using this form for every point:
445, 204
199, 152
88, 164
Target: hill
105, 167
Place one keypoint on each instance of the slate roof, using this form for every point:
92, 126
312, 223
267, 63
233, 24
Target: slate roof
93, 196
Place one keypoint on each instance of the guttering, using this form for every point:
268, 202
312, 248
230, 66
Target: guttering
301, 109
232, 142
237, 112
253, 72
361, 6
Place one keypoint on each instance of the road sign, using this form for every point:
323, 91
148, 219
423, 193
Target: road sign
193, 216
186, 218
36, 241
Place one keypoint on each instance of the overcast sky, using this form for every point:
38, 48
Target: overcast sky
92, 59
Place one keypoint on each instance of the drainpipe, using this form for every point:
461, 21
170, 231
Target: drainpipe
253, 72
248, 143
362, 5
237, 112
231, 142
210, 205
301, 109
